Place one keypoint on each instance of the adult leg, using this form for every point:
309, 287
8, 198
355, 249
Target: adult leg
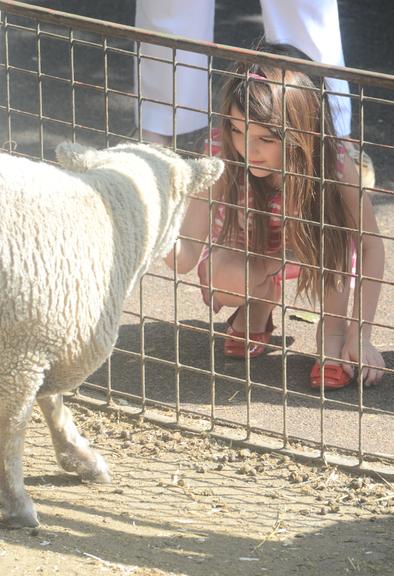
312, 27
194, 20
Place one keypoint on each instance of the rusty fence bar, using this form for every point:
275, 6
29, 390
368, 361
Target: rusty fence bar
237, 419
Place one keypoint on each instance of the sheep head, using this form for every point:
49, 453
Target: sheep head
157, 173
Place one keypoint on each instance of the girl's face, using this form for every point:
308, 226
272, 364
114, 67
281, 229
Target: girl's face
264, 149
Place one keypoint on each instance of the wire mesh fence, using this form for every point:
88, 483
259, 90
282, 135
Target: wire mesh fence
67, 77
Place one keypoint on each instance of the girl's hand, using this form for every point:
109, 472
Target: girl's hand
371, 355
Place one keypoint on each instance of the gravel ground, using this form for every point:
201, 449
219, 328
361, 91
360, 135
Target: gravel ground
189, 505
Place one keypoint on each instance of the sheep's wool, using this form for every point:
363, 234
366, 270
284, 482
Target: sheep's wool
73, 241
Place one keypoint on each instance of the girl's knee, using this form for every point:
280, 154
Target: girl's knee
229, 273
229, 276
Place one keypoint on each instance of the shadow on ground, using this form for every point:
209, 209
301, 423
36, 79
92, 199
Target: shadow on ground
194, 355
363, 547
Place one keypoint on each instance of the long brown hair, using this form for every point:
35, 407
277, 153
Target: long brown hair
303, 160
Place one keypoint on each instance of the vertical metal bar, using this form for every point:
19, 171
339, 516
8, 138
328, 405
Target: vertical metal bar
142, 347
360, 379
176, 344
176, 335
106, 128
39, 86
72, 80
139, 92
283, 286
109, 381
7, 77
142, 319
174, 107
211, 291
106, 95
322, 260
246, 233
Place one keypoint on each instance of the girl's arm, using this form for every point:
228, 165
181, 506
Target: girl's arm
195, 225
372, 263
372, 249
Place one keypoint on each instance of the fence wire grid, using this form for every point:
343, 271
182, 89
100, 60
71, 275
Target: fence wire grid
68, 77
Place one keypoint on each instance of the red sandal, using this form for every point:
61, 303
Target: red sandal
335, 377
237, 349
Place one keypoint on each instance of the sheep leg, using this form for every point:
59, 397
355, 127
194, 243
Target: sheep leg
15, 410
73, 452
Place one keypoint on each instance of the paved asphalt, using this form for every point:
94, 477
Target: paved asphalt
368, 43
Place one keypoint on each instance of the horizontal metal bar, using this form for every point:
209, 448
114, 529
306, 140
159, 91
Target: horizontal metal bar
208, 48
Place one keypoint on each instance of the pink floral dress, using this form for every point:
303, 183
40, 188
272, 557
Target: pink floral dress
274, 228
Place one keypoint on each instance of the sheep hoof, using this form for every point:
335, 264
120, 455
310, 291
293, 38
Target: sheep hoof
28, 519
88, 464
97, 472
101, 477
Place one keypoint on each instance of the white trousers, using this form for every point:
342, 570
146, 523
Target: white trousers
310, 25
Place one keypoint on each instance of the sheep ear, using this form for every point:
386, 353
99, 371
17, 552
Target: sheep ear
76, 157
205, 172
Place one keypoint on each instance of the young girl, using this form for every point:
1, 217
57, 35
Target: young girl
281, 171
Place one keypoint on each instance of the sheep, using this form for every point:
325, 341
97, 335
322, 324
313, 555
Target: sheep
74, 240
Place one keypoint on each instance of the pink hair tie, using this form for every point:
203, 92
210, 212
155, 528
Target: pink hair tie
257, 76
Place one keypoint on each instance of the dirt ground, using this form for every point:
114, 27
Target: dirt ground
187, 505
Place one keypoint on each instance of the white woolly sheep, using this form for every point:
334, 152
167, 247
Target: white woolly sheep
73, 243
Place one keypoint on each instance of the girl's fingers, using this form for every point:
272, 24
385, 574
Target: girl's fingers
381, 364
347, 368
369, 375
373, 375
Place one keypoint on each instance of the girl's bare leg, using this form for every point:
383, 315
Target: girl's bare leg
335, 302
229, 274
259, 312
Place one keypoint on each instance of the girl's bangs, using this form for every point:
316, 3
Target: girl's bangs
263, 104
